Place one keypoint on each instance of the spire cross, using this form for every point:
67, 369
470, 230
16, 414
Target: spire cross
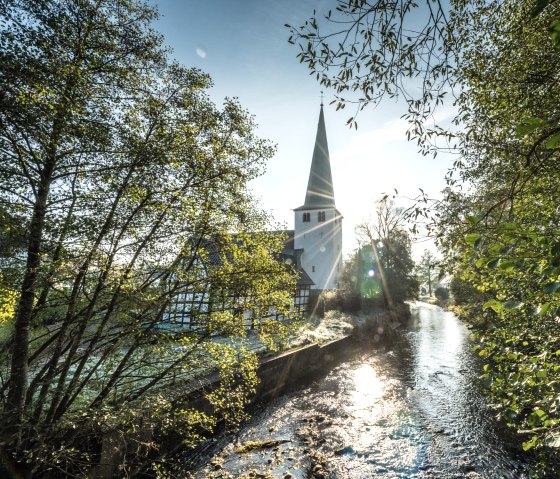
321, 97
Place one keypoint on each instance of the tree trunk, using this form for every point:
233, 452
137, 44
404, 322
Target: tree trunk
429, 281
20, 353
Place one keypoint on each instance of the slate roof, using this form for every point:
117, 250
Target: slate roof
288, 253
320, 190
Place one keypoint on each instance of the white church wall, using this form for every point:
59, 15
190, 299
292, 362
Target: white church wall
322, 245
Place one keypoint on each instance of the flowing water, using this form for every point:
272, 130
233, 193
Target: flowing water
411, 411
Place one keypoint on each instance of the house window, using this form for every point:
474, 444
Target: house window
306, 217
321, 216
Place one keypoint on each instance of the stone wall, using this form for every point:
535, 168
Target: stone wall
298, 366
277, 375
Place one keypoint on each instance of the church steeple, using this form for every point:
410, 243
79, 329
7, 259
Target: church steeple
318, 224
320, 191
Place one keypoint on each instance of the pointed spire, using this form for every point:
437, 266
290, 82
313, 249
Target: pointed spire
320, 191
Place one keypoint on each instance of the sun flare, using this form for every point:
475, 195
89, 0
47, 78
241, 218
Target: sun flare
368, 387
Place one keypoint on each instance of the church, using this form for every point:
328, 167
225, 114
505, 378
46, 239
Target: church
315, 243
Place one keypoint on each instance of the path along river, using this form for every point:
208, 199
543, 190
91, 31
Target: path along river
410, 411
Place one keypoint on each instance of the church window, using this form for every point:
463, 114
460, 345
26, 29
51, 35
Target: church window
321, 234
306, 217
321, 216
312, 269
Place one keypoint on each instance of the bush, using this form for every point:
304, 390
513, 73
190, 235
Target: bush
465, 293
441, 293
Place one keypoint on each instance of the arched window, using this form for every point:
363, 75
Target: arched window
306, 217
321, 216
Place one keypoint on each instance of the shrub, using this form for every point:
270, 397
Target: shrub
441, 293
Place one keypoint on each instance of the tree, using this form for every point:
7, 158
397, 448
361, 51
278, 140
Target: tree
132, 187
504, 240
465, 293
368, 50
386, 254
426, 269
441, 293
498, 222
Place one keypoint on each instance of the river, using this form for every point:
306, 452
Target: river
413, 410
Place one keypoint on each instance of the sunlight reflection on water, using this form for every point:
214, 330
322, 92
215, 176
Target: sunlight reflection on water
411, 412
368, 387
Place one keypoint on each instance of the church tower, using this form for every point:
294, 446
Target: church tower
318, 224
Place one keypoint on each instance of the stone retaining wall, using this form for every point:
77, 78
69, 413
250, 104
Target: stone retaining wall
277, 374
298, 366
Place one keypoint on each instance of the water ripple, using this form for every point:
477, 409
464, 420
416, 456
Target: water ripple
412, 412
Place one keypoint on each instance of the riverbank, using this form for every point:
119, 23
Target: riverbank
410, 410
336, 338
318, 347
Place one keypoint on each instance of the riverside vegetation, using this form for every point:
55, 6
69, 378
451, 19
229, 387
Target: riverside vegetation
498, 220
117, 172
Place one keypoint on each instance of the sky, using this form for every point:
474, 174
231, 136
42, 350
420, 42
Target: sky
243, 45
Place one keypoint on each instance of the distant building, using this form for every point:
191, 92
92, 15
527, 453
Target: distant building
190, 307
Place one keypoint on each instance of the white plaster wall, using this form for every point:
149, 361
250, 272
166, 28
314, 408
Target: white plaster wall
322, 245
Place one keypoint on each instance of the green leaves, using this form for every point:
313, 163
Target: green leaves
506, 188
540, 5
374, 56
553, 141
512, 304
530, 444
554, 32
472, 238
495, 305
530, 125
492, 264
507, 266
143, 180
552, 287
499, 306
543, 309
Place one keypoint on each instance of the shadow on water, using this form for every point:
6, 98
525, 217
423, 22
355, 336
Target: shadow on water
414, 411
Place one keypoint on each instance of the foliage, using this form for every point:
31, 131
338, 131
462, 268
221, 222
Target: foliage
8, 299
382, 267
366, 50
501, 235
464, 293
131, 187
360, 279
441, 293
427, 270
498, 221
